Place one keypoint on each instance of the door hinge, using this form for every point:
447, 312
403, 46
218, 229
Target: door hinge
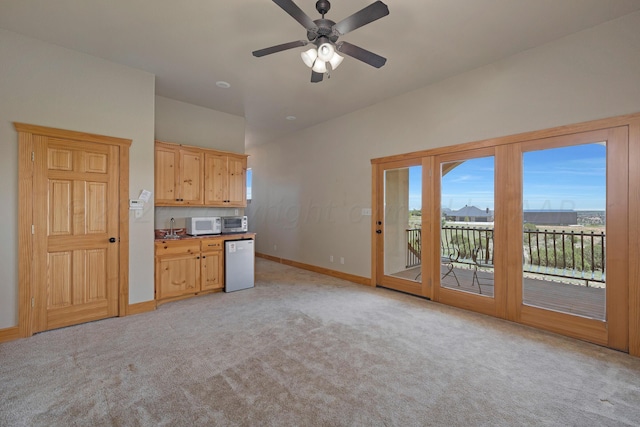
33, 229
33, 302
33, 156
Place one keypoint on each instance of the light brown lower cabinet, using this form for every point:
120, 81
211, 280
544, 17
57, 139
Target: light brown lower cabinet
187, 267
211, 265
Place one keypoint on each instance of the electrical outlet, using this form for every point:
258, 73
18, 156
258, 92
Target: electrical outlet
330, 258
341, 260
236, 212
275, 247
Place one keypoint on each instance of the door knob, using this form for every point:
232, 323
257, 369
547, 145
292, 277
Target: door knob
379, 231
112, 239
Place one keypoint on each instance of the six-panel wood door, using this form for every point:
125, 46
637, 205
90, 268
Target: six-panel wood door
75, 232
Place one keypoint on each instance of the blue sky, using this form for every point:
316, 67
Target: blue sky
560, 178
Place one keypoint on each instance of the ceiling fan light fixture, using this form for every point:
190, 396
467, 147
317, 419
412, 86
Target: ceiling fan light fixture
326, 51
320, 66
309, 57
335, 60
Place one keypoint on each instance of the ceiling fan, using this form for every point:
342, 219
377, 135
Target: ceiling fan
324, 33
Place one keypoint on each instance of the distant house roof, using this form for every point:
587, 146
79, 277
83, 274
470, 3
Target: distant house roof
471, 211
548, 210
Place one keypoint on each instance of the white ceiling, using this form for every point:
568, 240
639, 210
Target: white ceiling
191, 44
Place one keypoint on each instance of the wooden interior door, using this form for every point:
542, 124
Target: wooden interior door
76, 232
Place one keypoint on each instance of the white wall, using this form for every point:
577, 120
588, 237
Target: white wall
309, 188
46, 85
190, 124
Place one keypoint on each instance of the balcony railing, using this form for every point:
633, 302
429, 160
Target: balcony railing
568, 254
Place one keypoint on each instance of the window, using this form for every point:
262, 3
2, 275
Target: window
249, 173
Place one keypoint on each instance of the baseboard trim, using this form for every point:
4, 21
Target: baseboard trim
326, 271
9, 334
141, 307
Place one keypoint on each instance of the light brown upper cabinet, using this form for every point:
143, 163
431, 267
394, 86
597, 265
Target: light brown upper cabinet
225, 180
179, 175
192, 176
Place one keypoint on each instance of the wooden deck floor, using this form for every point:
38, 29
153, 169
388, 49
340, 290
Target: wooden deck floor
548, 294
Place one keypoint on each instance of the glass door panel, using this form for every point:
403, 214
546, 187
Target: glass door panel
467, 225
564, 233
403, 223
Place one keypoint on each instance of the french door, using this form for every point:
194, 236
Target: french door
532, 231
573, 276
398, 227
470, 231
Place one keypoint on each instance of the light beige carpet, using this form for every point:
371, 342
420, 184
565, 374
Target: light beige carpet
302, 349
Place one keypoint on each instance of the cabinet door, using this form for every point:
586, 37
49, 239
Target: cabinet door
177, 276
191, 186
212, 271
215, 173
237, 181
166, 176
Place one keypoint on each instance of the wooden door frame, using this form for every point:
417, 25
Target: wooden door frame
26, 167
505, 145
377, 245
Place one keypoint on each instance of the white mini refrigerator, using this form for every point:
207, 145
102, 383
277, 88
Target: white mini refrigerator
239, 261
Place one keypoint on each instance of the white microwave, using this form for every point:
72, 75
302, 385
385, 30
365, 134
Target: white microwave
234, 224
197, 226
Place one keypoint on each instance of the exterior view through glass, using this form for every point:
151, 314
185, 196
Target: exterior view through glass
564, 233
402, 222
466, 225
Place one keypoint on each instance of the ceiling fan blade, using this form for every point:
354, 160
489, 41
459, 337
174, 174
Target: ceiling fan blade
296, 13
316, 77
361, 54
279, 48
369, 14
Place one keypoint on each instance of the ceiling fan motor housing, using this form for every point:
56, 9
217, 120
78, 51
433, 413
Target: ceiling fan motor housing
325, 30
323, 6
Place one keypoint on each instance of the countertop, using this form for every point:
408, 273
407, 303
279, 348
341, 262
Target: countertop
159, 236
